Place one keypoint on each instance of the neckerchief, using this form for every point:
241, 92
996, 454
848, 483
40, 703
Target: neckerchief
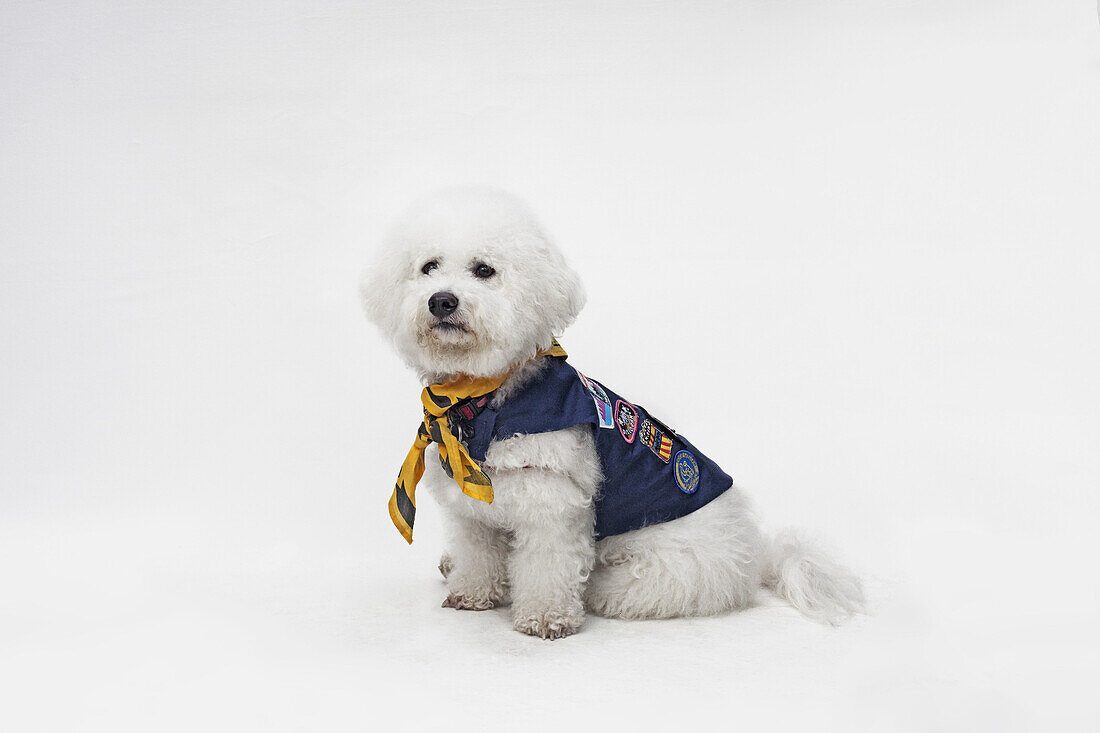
438, 399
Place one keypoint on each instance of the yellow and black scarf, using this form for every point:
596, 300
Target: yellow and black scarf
438, 399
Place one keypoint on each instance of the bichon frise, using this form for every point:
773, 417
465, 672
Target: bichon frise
559, 494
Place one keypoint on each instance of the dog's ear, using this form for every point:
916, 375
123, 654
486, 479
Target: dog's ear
376, 288
565, 295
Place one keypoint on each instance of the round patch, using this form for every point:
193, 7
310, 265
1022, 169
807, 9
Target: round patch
687, 472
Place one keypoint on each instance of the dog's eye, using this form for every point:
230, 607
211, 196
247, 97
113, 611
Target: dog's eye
483, 271
429, 266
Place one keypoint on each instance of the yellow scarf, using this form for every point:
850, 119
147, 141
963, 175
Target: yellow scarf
438, 399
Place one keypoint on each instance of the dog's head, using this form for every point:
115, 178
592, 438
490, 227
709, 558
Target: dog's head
468, 283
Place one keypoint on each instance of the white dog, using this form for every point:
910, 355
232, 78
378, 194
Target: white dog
471, 291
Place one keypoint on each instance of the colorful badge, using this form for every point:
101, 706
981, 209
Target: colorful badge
658, 442
603, 405
687, 472
664, 448
626, 417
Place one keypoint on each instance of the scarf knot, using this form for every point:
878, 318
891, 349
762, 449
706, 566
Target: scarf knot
447, 410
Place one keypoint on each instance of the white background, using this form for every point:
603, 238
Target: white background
850, 247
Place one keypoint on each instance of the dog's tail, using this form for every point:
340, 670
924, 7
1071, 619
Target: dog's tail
807, 578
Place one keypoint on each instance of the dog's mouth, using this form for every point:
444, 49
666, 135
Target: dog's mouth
451, 333
448, 333
449, 327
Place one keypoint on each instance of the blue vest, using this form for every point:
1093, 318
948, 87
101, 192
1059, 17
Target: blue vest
651, 474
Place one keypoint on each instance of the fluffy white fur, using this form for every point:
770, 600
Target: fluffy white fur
534, 546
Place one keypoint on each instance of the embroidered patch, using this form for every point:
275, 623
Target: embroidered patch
664, 448
626, 417
687, 472
603, 405
658, 442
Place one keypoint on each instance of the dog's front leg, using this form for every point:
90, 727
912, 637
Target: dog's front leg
477, 576
552, 557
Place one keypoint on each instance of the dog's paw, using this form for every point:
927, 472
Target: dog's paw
446, 565
548, 625
467, 603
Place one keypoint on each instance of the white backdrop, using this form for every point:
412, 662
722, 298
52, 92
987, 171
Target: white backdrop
855, 243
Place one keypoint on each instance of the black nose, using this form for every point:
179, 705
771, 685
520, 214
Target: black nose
442, 304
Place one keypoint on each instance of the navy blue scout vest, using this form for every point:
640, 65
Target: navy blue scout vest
651, 474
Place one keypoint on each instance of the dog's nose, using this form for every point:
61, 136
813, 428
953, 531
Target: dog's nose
442, 304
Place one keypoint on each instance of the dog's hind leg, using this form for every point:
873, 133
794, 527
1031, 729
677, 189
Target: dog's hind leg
704, 563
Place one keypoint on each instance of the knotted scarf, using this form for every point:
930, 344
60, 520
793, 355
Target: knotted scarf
436, 428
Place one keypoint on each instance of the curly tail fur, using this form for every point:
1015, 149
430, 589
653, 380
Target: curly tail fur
815, 584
